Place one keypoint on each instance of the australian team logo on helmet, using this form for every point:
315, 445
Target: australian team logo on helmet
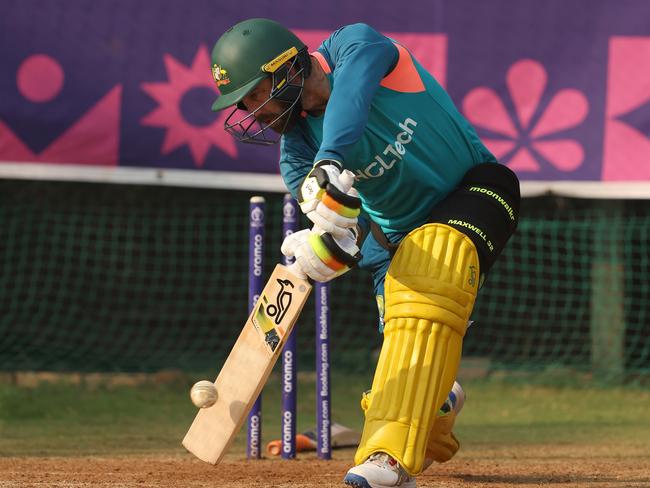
220, 75
246, 54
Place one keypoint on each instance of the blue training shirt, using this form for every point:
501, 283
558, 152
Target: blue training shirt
390, 123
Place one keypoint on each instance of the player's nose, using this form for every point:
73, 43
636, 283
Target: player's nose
249, 104
263, 115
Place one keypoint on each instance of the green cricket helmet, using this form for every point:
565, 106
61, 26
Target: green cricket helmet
244, 55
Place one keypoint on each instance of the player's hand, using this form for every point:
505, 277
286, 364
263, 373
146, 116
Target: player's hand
320, 255
327, 198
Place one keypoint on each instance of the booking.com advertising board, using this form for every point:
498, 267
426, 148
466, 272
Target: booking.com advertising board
558, 89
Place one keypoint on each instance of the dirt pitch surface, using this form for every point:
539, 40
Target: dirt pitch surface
521, 467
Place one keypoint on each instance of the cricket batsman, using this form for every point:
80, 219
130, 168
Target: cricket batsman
395, 181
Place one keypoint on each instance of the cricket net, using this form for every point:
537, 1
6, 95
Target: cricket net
99, 277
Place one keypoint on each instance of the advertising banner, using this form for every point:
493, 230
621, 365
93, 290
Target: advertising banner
558, 90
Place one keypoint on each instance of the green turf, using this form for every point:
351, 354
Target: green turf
59, 419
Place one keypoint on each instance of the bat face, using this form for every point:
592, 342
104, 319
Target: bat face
248, 365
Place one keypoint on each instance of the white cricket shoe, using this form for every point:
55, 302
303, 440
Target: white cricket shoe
455, 400
379, 471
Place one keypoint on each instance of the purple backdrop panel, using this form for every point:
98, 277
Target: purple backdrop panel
539, 81
559, 90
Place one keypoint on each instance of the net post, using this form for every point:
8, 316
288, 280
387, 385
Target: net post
608, 296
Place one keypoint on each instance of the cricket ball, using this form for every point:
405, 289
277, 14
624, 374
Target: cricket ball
203, 394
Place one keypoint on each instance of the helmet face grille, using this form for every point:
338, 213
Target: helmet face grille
288, 82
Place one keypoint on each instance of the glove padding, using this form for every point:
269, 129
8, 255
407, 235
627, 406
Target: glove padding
327, 198
320, 255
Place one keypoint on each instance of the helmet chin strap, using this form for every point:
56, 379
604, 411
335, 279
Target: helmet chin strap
284, 89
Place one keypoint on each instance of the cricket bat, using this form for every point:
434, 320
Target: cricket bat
249, 364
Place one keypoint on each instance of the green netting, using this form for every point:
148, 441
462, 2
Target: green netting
571, 290
100, 277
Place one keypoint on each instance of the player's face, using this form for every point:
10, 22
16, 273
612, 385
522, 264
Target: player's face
271, 113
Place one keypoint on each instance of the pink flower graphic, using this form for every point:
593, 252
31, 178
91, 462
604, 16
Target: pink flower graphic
168, 115
521, 147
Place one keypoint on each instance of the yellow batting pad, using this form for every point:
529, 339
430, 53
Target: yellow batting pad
442, 444
430, 290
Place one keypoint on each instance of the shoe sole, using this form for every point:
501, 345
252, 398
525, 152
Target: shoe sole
356, 481
360, 482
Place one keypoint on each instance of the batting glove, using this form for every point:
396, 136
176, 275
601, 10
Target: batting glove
327, 198
320, 255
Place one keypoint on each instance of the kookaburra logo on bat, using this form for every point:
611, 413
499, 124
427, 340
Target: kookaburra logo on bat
269, 315
282, 302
